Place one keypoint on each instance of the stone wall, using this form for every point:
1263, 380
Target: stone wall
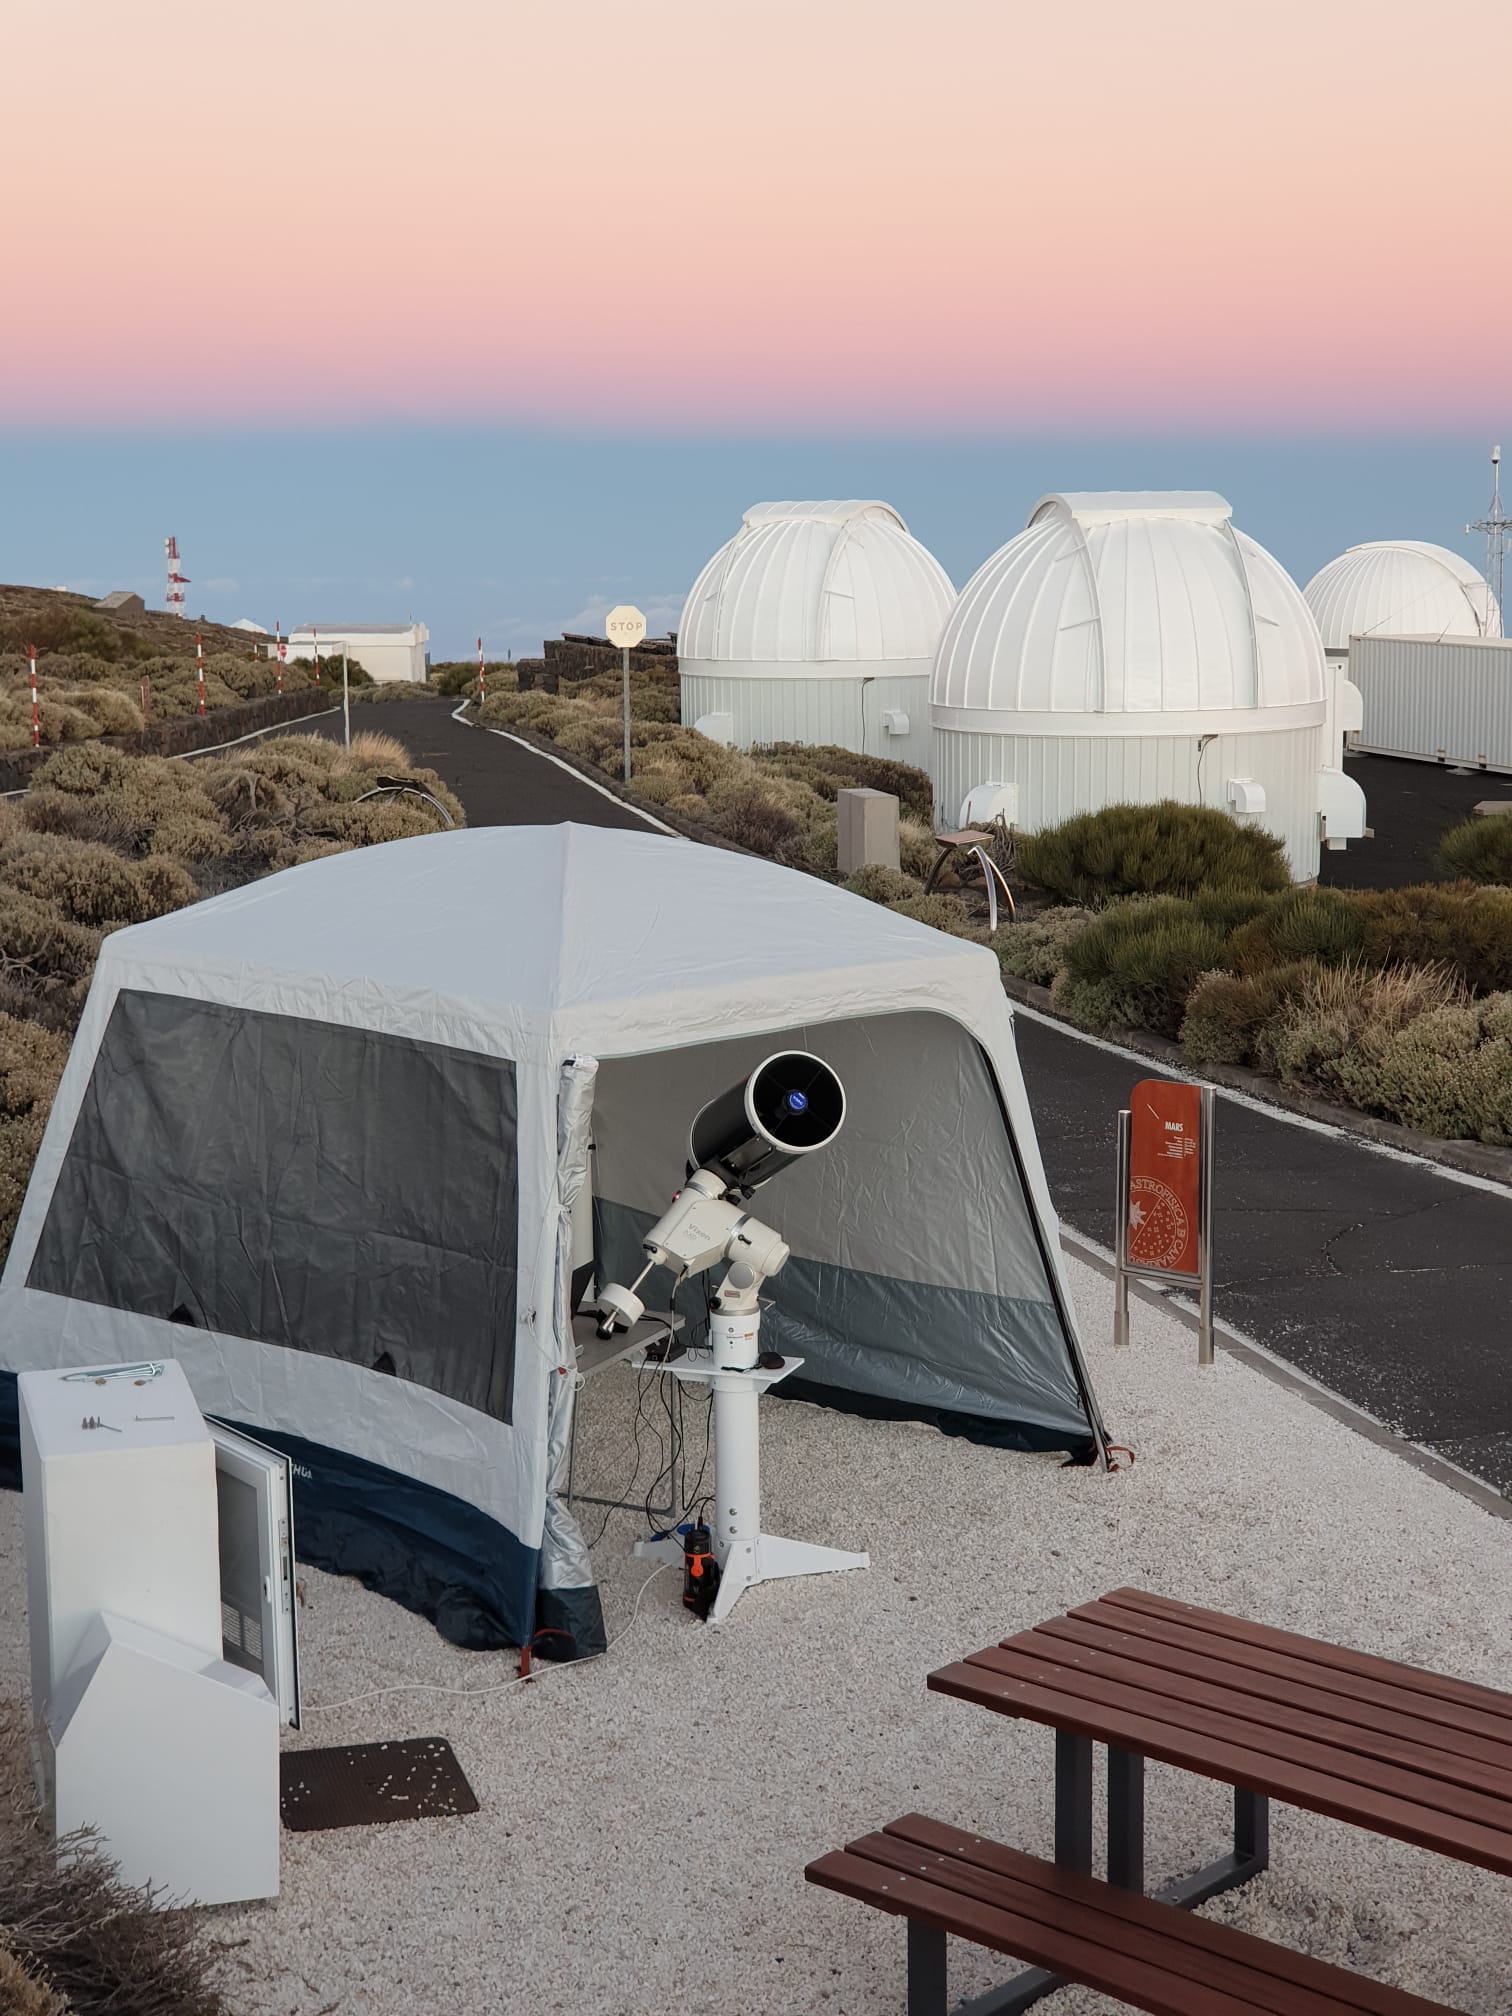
568, 659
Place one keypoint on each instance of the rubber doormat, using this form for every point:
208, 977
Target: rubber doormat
365, 1784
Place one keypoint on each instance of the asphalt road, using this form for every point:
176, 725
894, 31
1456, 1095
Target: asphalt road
1409, 807
500, 783
1385, 1279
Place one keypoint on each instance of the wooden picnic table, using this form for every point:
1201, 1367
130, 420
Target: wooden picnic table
1388, 1747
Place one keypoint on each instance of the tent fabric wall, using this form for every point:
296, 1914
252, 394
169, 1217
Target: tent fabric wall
529, 947
916, 1276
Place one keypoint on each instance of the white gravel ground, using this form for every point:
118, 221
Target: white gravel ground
646, 1817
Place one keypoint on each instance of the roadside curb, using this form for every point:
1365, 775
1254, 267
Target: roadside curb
1280, 1373
1470, 1158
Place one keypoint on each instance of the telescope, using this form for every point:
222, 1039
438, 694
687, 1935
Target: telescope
791, 1105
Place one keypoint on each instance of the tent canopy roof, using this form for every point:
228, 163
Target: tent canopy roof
545, 920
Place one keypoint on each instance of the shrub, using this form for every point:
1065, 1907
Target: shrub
1035, 950
88, 883
1325, 925
1228, 1013
944, 913
880, 884
1136, 965
1460, 926
754, 817
829, 770
1329, 1033
1166, 849
1480, 850
31, 1063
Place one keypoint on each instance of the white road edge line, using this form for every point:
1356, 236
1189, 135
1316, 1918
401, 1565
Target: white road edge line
530, 747
185, 755
1247, 1100
1282, 1372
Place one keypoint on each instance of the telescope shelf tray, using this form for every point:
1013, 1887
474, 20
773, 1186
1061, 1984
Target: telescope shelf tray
595, 1352
698, 1368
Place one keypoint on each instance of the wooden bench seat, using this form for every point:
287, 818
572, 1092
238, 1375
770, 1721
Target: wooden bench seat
1145, 1954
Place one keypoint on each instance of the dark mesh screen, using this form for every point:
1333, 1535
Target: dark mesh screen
303, 1184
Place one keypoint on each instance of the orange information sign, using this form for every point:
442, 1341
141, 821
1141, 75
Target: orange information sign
1165, 1177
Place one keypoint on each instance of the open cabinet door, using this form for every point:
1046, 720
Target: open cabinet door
255, 1486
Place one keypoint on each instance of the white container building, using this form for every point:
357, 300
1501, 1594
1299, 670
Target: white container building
1440, 699
1130, 646
1400, 588
387, 651
816, 623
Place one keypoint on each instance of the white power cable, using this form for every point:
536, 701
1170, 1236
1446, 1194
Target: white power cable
503, 1686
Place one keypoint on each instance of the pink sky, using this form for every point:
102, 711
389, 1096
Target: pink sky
748, 213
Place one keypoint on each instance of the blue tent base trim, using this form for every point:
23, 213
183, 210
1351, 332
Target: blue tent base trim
1025, 1436
569, 1625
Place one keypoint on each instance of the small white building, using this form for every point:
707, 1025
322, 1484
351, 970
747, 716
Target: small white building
252, 629
1439, 699
1130, 646
386, 651
816, 623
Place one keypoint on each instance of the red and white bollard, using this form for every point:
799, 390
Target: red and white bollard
482, 683
278, 634
316, 635
36, 716
146, 699
199, 652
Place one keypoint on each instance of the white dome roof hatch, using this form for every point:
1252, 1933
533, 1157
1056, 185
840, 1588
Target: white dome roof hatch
1129, 613
839, 585
1401, 588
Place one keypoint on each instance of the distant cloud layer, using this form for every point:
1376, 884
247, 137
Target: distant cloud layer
696, 216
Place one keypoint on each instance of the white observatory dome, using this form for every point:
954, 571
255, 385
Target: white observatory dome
1133, 646
1401, 588
816, 623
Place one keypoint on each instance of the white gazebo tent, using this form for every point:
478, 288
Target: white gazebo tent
322, 1140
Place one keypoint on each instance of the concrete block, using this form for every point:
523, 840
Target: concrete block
1489, 808
868, 830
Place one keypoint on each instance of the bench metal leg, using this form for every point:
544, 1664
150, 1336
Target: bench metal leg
1073, 1850
926, 1971
1251, 1855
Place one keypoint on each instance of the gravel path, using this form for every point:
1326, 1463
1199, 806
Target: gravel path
646, 1817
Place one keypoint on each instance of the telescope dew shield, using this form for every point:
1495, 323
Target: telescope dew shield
789, 1106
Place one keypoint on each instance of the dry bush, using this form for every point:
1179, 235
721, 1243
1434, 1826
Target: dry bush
1321, 924
880, 884
1035, 949
1228, 1013
88, 883
373, 750
1330, 1030
1457, 925
31, 1063
79, 1938
943, 913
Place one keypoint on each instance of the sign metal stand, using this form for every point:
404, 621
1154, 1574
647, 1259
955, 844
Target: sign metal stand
1164, 1209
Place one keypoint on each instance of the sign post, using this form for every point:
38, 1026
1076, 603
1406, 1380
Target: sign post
625, 626
1164, 1217
346, 704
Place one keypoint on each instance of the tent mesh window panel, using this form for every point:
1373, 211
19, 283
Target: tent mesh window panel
327, 1189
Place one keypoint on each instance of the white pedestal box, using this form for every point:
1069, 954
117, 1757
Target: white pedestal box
159, 1567
171, 1756
122, 1517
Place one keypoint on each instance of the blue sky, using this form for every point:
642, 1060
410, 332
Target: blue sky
519, 535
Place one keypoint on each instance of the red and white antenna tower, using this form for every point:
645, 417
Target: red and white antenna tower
177, 582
